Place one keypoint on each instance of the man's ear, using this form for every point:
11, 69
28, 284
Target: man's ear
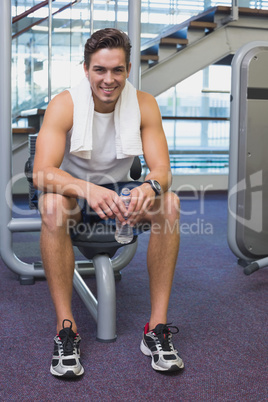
85, 69
129, 68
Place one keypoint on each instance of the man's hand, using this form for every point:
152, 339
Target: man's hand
142, 200
106, 203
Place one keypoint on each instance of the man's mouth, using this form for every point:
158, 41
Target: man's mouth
108, 90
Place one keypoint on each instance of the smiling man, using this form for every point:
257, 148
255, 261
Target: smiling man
87, 143
107, 77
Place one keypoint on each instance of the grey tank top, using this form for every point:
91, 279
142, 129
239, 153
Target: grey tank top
103, 167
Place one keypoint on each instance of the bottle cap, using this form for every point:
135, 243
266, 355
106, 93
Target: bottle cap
125, 191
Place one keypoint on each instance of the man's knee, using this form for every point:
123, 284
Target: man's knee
169, 206
175, 207
166, 210
55, 210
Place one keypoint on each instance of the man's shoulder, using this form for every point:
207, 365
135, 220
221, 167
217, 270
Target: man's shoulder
147, 103
62, 98
62, 104
145, 96
60, 111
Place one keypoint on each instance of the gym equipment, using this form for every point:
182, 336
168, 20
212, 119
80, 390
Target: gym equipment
248, 163
103, 310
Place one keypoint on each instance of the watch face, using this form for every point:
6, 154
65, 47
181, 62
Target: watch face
157, 186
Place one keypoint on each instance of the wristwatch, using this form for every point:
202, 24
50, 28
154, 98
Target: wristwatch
155, 186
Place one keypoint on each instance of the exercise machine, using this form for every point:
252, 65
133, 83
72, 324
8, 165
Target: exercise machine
248, 163
102, 309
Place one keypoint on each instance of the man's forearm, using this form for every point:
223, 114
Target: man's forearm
163, 175
55, 180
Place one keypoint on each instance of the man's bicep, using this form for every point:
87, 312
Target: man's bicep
155, 149
154, 143
50, 147
50, 144
153, 136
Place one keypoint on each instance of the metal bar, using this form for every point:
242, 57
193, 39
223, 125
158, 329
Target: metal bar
134, 32
6, 251
195, 118
24, 224
234, 10
124, 258
106, 320
19, 146
91, 17
86, 295
116, 13
5, 113
49, 57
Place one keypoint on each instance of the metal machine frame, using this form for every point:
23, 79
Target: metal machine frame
103, 310
248, 168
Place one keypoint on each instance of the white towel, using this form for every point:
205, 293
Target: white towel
126, 118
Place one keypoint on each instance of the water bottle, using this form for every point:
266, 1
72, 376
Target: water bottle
124, 233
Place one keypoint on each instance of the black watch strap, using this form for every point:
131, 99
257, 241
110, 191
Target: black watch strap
155, 186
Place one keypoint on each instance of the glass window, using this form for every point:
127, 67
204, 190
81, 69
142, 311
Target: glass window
200, 106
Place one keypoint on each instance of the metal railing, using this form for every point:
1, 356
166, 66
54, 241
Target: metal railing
41, 20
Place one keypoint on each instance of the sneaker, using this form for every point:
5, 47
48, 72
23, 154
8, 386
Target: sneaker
157, 343
66, 356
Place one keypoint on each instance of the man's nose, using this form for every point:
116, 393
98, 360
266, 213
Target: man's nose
109, 78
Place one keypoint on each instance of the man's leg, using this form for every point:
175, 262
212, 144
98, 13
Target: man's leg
57, 252
162, 255
161, 259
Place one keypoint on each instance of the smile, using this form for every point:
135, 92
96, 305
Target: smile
108, 90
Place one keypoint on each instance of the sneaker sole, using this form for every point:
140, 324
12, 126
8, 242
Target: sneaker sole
146, 351
67, 374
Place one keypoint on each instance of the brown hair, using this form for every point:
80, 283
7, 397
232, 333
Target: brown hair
110, 38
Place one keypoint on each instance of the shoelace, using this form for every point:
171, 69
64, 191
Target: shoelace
163, 334
67, 338
67, 342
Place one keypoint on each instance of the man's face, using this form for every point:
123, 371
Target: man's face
107, 75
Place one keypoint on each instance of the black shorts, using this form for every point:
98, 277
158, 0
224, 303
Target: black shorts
89, 216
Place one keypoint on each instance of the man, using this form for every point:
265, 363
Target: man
59, 174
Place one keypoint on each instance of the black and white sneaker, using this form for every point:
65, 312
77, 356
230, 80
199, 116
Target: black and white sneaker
66, 356
157, 343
